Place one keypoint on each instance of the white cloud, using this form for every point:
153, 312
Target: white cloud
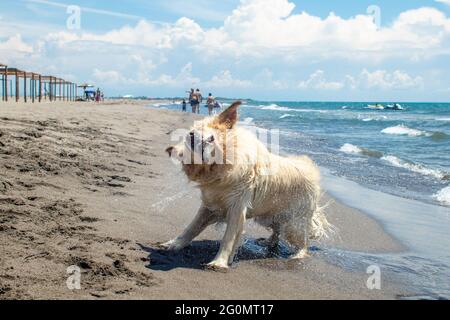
225, 80
383, 79
317, 81
378, 79
183, 79
111, 76
15, 43
447, 2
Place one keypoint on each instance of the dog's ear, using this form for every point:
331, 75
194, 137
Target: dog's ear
230, 116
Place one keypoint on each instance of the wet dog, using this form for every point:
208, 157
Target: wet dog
241, 179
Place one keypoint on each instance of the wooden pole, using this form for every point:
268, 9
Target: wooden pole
17, 86
6, 84
40, 88
3, 87
25, 87
32, 88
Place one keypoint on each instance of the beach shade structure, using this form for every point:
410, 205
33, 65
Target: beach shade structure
4, 81
34, 86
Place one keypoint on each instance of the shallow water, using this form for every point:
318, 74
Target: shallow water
422, 228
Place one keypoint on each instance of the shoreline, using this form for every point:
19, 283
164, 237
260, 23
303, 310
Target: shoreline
79, 189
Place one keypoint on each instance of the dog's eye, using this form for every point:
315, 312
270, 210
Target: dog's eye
210, 139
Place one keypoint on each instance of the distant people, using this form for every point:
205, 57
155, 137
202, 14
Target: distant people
199, 99
184, 105
97, 95
217, 107
210, 103
193, 100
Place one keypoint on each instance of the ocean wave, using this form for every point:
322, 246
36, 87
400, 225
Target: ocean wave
442, 119
402, 130
247, 121
443, 196
372, 118
275, 107
414, 167
284, 116
352, 149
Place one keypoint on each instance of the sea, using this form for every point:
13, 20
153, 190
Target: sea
394, 165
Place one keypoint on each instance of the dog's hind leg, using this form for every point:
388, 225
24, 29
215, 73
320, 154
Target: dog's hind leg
298, 237
272, 242
204, 218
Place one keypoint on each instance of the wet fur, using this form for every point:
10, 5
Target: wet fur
281, 194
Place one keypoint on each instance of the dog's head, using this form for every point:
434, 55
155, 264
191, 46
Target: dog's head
205, 144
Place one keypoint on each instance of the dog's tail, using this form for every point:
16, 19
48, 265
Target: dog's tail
321, 228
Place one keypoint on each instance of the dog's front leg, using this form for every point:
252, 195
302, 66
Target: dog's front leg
235, 227
203, 219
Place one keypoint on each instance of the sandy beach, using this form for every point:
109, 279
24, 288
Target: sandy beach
90, 185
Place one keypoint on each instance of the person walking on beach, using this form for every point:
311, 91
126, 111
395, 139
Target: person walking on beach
193, 100
199, 100
210, 103
184, 105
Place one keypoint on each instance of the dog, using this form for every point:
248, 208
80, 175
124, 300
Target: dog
239, 180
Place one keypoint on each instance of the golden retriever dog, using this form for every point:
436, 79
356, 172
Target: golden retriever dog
239, 180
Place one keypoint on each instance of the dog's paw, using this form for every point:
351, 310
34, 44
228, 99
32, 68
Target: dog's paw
172, 245
217, 267
302, 254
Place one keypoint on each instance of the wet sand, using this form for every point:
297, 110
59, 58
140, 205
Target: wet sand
90, 185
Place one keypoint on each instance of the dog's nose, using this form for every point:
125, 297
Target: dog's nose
169, 150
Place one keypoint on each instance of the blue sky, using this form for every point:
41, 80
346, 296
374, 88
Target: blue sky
262, 49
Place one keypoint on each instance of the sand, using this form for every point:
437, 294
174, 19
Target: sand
90, 185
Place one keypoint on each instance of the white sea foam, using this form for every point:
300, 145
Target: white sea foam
274, 107
402, 130
247, 121
350, 148
287, 115
373, 119
418, 168
443, 196
443, 119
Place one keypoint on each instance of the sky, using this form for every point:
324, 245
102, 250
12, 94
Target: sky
329, 50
